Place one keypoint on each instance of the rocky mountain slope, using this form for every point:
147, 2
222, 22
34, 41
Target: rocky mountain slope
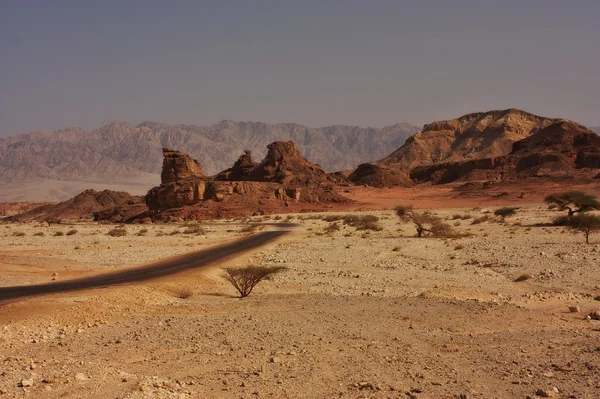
563, 149
120, 153
596, 129
473, 136
476, 136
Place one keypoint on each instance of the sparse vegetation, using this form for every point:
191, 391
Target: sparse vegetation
194, 229
142, 232
71, 232
332, 228
184, 293
249, 228
481, 219
523, 277
39, 234
425, 222
573, 202
585, 223
59, 234
505, 212
18, 234
365, 222
117, 232
246, 278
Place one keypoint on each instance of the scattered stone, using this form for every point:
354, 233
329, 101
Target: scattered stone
547, 393
595, 315
26, 382
574, 309
274, 359
80, 377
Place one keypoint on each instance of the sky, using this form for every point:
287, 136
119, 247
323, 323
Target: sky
317, 63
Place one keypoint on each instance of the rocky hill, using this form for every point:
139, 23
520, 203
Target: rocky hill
595, 129
473, 136
83, 206
564, 149
121, 156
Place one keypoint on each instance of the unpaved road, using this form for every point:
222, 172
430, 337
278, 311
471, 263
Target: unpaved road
152, 271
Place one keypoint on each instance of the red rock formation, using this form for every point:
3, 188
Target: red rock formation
379, 176
177, 166
83, 206
284, 178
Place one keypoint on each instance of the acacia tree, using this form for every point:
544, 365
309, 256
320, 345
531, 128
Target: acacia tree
424, 222
586, 223
244, 279
573, 202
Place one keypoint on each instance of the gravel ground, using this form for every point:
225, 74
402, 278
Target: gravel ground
357, 314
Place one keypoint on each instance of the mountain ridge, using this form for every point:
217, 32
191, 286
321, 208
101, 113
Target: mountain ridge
120, 152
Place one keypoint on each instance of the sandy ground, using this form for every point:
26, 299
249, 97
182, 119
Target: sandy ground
357, 314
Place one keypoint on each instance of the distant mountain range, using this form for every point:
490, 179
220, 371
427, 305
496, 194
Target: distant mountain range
57, 164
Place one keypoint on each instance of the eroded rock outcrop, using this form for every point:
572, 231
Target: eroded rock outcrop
282, 179
177, 166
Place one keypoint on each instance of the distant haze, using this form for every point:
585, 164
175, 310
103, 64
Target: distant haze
351, 62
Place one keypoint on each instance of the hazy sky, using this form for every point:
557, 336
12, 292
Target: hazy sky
375, 63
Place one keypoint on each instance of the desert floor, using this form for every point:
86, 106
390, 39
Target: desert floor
357, 314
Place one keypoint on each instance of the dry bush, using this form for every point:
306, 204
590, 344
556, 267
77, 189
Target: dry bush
365, 222
249, 228
142, 232
184, 293
71, 232
194, 229
332, 228
332, 218
245, 279
39, 234
174, 232
505, 212
425, 223
523, 277
481, 219
117, 232
18, 234
59, 234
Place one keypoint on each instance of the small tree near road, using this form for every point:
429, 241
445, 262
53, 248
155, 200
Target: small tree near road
586, 223
573, 202
244, 279
425, 222
505, 212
